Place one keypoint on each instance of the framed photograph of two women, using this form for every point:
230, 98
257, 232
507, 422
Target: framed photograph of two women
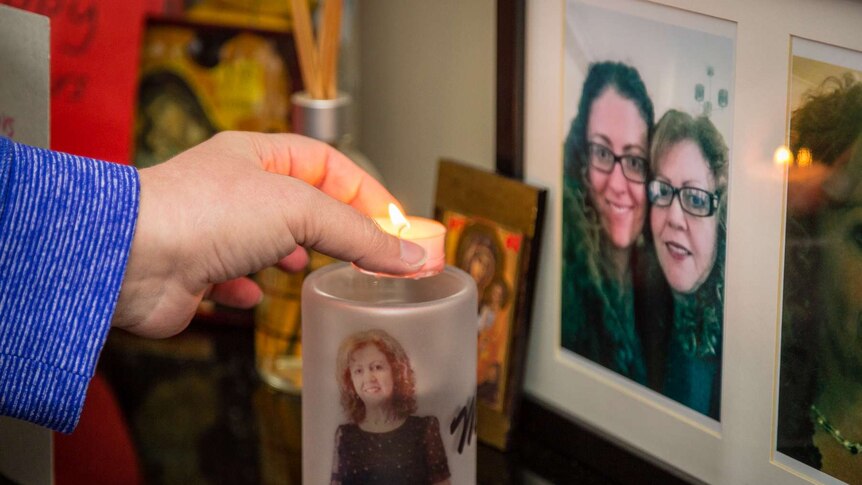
665, 132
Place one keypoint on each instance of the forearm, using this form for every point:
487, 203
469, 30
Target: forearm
66, 225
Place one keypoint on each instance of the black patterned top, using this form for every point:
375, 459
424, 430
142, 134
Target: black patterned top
413, 453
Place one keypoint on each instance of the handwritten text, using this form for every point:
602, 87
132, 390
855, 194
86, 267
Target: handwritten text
465, 418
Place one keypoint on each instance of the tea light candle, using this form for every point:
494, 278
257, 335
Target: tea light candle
427, 233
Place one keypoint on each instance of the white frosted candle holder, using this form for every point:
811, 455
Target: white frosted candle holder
389, 377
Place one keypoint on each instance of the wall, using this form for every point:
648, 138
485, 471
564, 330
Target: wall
426, 90
670, 59
25, 449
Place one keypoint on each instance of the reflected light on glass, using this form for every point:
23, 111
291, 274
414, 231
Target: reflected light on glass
783, 156
803, 157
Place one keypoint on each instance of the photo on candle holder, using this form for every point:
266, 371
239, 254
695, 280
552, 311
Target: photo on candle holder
493, 224
388, 377
820, 374
384, 439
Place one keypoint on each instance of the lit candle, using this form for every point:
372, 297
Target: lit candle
427, 233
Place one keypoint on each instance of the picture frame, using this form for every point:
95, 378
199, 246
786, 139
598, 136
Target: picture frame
642, 279
494, 227
197, 79
820, 316
741, 446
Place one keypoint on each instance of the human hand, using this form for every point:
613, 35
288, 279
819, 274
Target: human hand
236, 204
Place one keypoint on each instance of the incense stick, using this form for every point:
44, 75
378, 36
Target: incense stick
328, 47
305, 46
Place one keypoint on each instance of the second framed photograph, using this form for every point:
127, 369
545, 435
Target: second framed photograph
821, 360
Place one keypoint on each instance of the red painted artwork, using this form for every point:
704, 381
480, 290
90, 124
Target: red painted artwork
94, 61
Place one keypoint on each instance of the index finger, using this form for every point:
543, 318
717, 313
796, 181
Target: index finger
324, 167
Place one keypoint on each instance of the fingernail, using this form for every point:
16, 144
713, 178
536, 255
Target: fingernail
412, 254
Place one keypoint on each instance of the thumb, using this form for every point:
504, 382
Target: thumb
338, 230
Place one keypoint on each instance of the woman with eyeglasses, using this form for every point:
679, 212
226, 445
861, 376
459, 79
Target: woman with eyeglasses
604, 211
687, 220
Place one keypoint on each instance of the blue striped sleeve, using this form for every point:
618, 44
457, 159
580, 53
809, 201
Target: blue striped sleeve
66, 227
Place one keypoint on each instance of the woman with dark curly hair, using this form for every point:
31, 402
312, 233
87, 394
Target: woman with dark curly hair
604, 209
687, 219
819, 422
383, 442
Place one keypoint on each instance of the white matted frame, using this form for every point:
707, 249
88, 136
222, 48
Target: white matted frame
672, 51
741, 448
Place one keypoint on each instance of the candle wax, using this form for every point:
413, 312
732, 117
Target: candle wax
427, 233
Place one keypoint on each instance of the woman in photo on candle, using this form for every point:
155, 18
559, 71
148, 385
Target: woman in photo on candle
604, 210
383, 442
687, 193
820, 393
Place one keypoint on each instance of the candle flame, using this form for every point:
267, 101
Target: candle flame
398, 220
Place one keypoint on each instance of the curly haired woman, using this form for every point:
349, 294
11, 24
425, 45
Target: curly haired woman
688, 197
604, 209
383, 442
